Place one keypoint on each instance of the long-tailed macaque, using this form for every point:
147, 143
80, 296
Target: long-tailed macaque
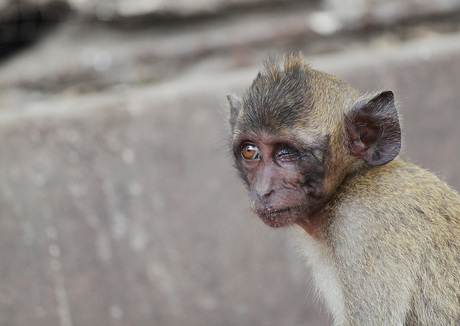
381, 235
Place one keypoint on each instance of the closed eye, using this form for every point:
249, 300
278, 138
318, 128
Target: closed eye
287, 153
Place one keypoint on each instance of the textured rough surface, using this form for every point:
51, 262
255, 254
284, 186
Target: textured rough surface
123, 209
118, 201
110, 9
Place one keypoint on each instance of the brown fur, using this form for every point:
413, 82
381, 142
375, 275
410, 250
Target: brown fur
386, 231
394, 231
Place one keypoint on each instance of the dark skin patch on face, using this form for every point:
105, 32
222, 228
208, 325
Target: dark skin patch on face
290, 107
286, 181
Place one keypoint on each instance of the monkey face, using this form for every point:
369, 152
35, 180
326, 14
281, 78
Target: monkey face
285, 179
298, 132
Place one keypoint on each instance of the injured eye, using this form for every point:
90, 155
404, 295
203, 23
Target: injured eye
287, 153
250, 152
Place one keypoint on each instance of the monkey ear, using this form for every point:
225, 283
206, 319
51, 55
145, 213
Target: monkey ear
373, 129
235, 106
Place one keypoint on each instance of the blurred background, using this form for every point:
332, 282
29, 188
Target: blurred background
119, 204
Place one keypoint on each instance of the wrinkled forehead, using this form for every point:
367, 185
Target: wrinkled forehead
299, 137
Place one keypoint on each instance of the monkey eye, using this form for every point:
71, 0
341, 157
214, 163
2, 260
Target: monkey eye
250, 152
287, 153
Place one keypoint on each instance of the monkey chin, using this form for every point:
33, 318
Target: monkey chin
280, 217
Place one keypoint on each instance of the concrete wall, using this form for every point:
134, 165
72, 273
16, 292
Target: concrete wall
121, 207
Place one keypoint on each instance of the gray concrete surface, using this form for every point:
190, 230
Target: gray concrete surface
130, 214
122, 208
81, 56
118, 201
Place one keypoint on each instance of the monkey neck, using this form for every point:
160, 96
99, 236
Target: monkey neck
314, 223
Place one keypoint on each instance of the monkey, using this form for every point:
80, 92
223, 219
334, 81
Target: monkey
380, 235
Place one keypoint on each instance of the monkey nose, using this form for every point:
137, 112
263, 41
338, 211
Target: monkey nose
264, 192
264, 186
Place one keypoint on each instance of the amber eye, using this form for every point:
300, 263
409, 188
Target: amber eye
250, 152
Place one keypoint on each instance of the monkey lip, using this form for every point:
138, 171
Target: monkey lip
279, 217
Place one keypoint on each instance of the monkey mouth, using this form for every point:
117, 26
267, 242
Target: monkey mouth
279, 217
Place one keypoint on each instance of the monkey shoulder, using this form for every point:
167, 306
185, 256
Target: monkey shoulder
399, 199
399, 182
378, 230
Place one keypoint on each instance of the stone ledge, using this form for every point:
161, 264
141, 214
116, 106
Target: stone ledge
79, 57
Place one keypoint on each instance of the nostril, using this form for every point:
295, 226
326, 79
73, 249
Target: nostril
267, 194
264, 194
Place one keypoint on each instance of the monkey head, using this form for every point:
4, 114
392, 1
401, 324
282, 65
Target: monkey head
298, 132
